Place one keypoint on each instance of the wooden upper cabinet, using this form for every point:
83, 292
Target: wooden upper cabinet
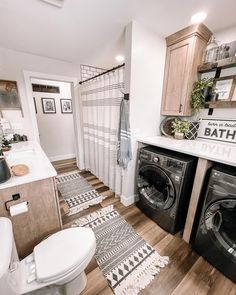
183, 55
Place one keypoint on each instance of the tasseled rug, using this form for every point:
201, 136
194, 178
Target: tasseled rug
77, 192
127, 261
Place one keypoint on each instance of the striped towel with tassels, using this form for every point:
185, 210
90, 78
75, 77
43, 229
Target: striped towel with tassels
124, 154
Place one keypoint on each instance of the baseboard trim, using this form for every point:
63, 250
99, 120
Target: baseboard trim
127, 201
61, 157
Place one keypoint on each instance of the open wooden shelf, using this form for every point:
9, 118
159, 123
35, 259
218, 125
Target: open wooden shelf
223, 64
220, 104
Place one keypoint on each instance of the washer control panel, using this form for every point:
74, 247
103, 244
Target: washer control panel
175, 164
144, 156
156, 159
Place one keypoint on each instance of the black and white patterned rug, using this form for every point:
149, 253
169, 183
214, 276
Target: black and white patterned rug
77, 192
127, 261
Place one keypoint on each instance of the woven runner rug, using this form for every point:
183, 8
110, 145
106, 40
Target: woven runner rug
77, 192
127, 261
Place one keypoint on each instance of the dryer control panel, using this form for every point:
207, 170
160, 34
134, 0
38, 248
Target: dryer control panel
173, 165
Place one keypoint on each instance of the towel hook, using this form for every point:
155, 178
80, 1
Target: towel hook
126, 95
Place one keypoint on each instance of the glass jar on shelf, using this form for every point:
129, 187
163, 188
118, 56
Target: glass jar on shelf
211, 51
223, 51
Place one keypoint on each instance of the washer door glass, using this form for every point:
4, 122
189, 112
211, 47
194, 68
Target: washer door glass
156, 187
220, 221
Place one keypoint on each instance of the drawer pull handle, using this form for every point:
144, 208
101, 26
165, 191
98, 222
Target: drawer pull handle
180, 108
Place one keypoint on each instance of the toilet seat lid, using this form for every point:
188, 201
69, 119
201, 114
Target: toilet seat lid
62, 252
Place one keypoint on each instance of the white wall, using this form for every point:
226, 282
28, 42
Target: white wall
226, 113
227, 35
224, 36
56, 131
12, 66
145, 58
147, 71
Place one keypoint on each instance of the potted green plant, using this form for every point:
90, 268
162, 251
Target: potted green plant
201, 93
180, 128
202, 90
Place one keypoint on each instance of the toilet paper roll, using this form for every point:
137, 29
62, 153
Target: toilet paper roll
18, 209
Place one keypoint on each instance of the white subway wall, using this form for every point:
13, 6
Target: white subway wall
56, 131
12, 67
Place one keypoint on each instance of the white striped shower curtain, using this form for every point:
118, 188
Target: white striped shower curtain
100, 101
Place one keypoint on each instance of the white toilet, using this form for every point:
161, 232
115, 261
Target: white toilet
56, 265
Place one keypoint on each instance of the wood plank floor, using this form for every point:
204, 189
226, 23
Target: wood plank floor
64, 166
186, 274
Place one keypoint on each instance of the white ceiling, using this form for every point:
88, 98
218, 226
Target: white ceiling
91, 31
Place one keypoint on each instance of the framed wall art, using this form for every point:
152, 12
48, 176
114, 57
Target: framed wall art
66, 106
225, 87
9, 95
48, 105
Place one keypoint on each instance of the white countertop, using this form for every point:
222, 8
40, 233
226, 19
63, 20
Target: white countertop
215, 151
31, 154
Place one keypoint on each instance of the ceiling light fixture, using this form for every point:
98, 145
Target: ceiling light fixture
198, 17
57, 3
120, 58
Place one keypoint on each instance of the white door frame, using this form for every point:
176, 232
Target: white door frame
28, 75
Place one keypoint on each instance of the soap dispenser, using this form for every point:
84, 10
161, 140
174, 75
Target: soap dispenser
5, 172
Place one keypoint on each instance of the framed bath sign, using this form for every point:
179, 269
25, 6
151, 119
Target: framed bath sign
218, 129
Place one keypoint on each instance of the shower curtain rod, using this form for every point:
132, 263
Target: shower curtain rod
94, 77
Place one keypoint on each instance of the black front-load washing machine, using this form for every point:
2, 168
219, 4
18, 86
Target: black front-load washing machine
164, 183
215, 237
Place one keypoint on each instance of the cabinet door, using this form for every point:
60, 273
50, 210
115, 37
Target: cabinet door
42, 218
179, 59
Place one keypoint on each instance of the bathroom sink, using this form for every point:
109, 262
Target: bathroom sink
21, 156
30, 154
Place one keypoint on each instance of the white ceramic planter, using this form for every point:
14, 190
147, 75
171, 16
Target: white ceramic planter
179, 135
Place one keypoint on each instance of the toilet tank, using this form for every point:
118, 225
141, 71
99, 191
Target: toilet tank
6, 245
8, 258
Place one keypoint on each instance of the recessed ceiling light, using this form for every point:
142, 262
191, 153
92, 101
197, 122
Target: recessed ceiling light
198, 17
120, 58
